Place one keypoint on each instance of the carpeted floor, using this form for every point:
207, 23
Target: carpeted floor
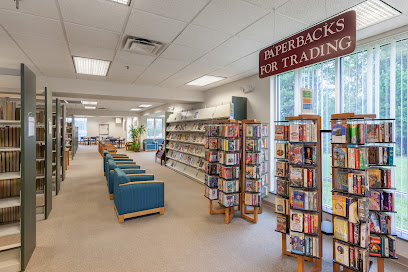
83, 234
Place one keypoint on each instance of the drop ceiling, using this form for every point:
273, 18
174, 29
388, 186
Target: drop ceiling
202, 37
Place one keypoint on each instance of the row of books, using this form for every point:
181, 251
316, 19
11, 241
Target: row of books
185, 158
362, 133
186, 137
188, 148
253, 158
40, 151
228, 200
9, 110
253, 145
282, 205
211, 193
40, 134
224, 144
256, 171
303, 177
379, 178
304, 245
351, 256
296, 132
228, 172
11, 214
355, 208
355, 158
211, 181
10, 187
255, 186
296, 153
257, 130
10, 136
186, 126
228, 186
40, 168
383, 246
354, 233
40, 184
222, 157
303, 222
40, 117
380, 223
224, 130
353, 183
303, 200
381, 201
253, 199
9, 161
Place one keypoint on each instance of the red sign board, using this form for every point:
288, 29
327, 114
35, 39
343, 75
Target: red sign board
333, 38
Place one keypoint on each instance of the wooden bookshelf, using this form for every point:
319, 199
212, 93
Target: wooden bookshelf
286, 161
356, 136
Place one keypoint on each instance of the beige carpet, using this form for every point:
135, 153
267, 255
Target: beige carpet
83, 234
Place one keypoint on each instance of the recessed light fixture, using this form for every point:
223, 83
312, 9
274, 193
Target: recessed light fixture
89, 102
205, 80
92, 67
144, 106
124, 2
135, 109
90, 107
372, 12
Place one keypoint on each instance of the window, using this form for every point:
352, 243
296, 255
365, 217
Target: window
372, 80
154, 128
81, 124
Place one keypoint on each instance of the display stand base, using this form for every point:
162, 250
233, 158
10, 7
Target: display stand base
255, 211
228, 212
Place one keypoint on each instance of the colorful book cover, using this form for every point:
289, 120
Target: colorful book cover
280, 205
281, 132
297, 242
296, 176
374, 248
281, 169
340, 157
339, 133
374, 200
280, 150
282, 187
342, 253
374, 178
296, 221
294, 135
298, 198
339, 205
340, 227
341, 180
295, 153
354, 134
372, 133
309, 155
281, 223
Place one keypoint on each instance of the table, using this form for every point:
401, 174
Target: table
120, 141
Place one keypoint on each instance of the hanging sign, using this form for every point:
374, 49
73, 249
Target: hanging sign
306, 96
331, 39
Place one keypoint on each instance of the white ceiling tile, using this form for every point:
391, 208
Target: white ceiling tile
120, 73
96, 13
285, 27
44, 8
91, 52
393, 23
92, 37
182, 10
51, 56
229, 16
149, 26
160, 70
267, 4
134, 59
315, 13
400, 5
337, 6
91, 77
261, 30
180, 52
237, 67
201, 37
15, 22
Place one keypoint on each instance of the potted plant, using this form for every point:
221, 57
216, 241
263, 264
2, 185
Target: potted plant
135, 133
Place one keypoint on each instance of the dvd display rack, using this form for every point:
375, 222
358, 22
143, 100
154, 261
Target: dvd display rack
17, 171
299, 187
255, 179
363, 184
223, 166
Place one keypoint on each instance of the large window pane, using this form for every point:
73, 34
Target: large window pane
354, 83
159, 128
286, 95
150, 128
81, 124
385, 52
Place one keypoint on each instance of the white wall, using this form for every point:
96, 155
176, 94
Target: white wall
115, 130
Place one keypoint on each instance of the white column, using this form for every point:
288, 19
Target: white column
392, 77
370, 69
337, 91
377, 81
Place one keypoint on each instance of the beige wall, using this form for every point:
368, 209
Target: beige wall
115, 130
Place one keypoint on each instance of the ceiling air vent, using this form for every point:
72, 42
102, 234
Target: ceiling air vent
142, 46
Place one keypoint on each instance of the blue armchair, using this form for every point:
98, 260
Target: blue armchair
113, 157
159, 142
149, 144
135, 170
111, 164
137, 195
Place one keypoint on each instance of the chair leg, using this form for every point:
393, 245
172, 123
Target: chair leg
111, 196
161, 211
121, 219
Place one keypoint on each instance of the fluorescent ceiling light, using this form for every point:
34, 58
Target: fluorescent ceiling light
92, 67
124, 2
205, 80
135, 109
90, 107
372, 12
145, 106
89, 102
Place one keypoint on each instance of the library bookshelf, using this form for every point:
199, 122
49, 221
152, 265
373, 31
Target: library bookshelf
363, 183
18, 171
299, 188
255, 168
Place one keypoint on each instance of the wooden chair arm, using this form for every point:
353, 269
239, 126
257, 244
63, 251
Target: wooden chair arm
141, 182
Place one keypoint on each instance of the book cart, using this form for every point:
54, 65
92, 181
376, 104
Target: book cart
223, 166
299, 187
255, 168
363, 201
17, 174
